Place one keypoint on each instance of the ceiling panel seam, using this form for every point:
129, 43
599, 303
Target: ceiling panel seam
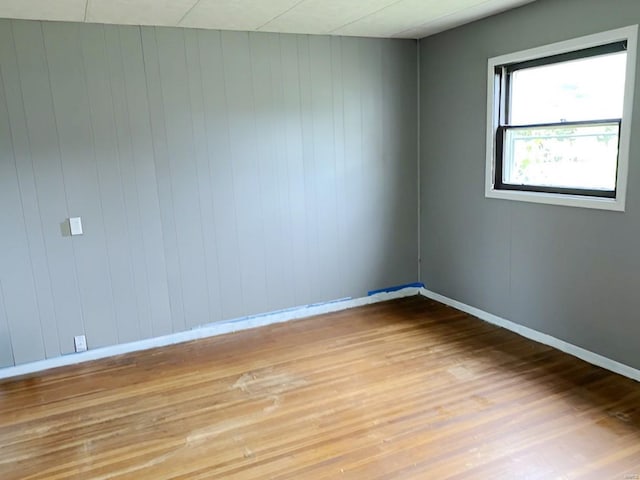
281, 14
422, 26
197, 2
367, 15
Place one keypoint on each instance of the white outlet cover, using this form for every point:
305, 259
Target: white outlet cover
80, 342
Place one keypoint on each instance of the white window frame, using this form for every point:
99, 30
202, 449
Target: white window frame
630, 34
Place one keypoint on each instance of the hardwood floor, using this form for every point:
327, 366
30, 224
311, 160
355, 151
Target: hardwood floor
404, 389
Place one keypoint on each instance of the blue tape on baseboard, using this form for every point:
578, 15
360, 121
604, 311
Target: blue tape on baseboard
396, 288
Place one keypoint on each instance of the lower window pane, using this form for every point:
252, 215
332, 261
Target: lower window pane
575, 156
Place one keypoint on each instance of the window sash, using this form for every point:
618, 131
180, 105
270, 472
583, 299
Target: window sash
606, 49
500, 184
504, 72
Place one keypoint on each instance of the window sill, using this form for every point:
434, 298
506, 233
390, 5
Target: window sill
613, 204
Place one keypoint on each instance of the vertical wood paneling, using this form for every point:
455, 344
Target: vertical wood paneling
281, 116
355, 171
337, 78
298, 239
101, 107
244, 152
183, 174
218, 174
129, 276
78, 159
148, 242
6, 349
163, 177
324, 171
220, 171
264, 62
28, 191
400, 176
201, 157
15, 269
369, 55
309, 167
50, 183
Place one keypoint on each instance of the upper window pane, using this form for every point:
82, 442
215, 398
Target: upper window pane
586, 89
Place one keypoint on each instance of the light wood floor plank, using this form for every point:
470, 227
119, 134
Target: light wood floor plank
404, 389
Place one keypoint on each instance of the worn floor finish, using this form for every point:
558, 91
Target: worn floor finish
404, 389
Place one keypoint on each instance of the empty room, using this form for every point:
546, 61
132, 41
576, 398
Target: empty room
318, 239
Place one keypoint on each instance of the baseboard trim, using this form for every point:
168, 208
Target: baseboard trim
579, 352
205, 331
306, 311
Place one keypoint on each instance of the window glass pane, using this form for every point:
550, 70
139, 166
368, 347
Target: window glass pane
577, 156
586, 89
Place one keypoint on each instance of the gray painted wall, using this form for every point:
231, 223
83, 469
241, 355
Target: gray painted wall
218, 174
569, 272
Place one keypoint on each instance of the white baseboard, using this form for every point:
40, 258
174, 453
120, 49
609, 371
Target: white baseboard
543, 338
205, 331
306, 311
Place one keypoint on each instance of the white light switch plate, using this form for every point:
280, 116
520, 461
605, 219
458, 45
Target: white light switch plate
75, 225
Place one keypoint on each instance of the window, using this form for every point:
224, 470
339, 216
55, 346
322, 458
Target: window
559, 122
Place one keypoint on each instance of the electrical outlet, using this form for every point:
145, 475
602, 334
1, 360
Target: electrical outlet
80, 341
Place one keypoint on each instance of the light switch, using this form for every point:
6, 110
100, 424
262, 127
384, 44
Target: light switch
75, 225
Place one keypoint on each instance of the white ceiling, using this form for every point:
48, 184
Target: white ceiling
366, 18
